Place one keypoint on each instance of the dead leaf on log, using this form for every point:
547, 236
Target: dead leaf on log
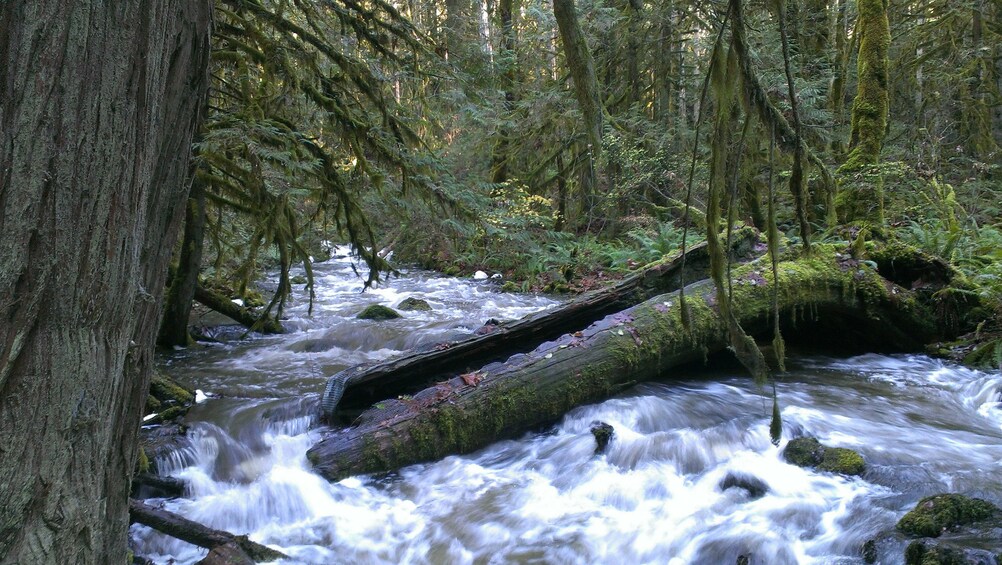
472, 379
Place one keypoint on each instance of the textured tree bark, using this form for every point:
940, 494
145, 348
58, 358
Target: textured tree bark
861, 188
177, 307
98, 103
503, 400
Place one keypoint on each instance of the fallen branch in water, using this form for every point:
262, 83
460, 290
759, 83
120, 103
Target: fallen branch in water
225, 548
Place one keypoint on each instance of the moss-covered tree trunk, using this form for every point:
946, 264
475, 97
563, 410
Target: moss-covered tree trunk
177, 306
860, 197
582, 67
502, 400
98, 103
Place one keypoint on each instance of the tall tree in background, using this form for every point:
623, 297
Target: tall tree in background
98, 104
861, 191
582, 67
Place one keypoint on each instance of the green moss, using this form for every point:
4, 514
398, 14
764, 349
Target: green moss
378, 312
414, 304
804, 452
935, 514
510, 286
299, 279
172, 413
167, 391
142, 462
152, 404
809, 452
843, 461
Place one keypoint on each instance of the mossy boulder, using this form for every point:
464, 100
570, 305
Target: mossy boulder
804, 452
930, 552
809, 452
414, 304
299, 279
936, 514
378, 312
843, 461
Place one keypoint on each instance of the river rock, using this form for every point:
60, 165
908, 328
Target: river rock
932, 552
299, 279
414, 304
378, 312
603, 435
809, 452
754, 486
936, 514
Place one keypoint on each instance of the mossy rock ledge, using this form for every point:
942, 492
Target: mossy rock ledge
414, 304
936, 514
378, 312
809, 452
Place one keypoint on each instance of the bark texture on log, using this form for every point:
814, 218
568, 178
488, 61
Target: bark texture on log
98, 105
366, 384
197, 534
641, 343
244, 316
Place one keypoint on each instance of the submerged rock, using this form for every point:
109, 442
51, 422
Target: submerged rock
936, 514
843, 461
754, 486
931, 552
804, 452
809, 452
869, 551
378, 312
603, 435
414, 304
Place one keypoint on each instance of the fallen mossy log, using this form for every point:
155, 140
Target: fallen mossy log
244, 316
359, 387
236, 549
503, 400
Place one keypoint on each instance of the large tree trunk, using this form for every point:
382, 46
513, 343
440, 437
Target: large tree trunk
98, 104
861, 189
502, 400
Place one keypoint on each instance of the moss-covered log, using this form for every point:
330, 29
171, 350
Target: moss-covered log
365, 384
245, 316
641, 343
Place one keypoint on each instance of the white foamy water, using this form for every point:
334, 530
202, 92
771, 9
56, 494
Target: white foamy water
658, 495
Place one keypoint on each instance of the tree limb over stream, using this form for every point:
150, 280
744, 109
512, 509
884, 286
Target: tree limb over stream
502, 400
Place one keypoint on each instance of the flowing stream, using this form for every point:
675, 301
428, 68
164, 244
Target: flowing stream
658, 495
